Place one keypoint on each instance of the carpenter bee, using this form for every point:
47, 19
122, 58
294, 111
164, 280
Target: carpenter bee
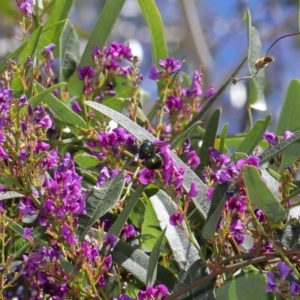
147, 152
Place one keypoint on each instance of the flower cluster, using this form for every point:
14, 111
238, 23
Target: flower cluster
283, 283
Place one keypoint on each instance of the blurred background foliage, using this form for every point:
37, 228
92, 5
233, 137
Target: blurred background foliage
202, 33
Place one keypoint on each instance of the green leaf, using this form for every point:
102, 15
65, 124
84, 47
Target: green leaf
21, 245
123, 216
253, 137
215, 211
69, 51
50, 35
271, 152
156, 28
197, 118
153, 260
10, 182
31, 46
223, 138
99, 37
136, 262
203, 291
60, 11
99, 202
289, 120
62, 112
37, 99
9, 195
209, 139
184, 252
260, 195
28, 51
86, 160
151, 230
257, 98
200, 201
247, 286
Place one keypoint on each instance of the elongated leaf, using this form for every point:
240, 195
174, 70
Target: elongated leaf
261, 196
247, 286
200, 200
184, 251
271, 152
59, 12
28, 51
215, 211
197, 118
62, 112
223, 138
50, 35
156, 28
257, 98
86, 160
253, 137
10, 182
136, 262
123, 216
35, 100
31, 46
9, 195
153, 260
151, 229
69, 51
289, 120
99, 37
99, 202
204, 291
209, 138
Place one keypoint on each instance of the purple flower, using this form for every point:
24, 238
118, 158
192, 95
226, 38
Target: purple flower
252, 160
260, 215
176, 219
48, 51
174, 103
170, 65
26, 7
68, 235
127, 232
236, 229
287, 134
193, 192
193, 159
283, 269
210, 92
210, 192
153, 293
186, 146
195, 90
237, 205
271, 138
107, 262
86, 72
110, 241
271, 283
154, 73
76, 107
27, 233
22, 101
294, 288
147, 176
267, 247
